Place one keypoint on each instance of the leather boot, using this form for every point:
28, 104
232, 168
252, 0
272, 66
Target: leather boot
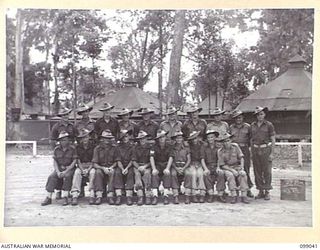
65, 202
140, 201
260, 195
210, 198
165, 200
176, 200
47, 201
118, 201
233, 200
155, 200
245, 200
111, 201
148, 201
222, 199
187, 199
129, 200
267, 195
201, 199
98, 201
91, 200
74, 201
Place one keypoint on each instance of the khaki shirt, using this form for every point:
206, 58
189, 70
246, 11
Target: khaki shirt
65, 157
262, 135
171, 128
230, 157
220, 127
241, 134
188, 127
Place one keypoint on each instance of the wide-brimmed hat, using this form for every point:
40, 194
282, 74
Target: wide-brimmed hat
83, 108
62, 134
125, 111
171, 110
84, 132
224, 136
106, 106
260, 109
124, 132
194, 134
217, 111
176, 134
64, 111
236, 113
161, 133
144, 111
107, 134
210, 131
142, 135
193, 109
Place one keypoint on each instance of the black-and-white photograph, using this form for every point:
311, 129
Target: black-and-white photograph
163, 117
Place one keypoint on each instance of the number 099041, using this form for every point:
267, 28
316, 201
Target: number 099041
308, 246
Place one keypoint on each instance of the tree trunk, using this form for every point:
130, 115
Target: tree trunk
161, 68
175, 60
18, 93
55, 76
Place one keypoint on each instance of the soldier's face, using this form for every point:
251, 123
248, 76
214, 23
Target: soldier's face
211, 138
85, 139
64, 141
172, 116
65, 117
195, 115
227, 142
162, 139
106, 113
143, 141
261, 115
146, 117
195, 140
126, 138
217, 118
179, 139
85, 114
239, 119
125, 117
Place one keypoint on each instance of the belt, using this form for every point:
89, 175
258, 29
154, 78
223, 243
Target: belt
262, 145
180, 162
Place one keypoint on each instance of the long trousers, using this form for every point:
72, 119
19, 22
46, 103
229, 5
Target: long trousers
214, 178
78, 177
247, 162
54, 182
101, 180
262, 167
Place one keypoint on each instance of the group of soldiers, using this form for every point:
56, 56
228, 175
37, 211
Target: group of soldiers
120, 157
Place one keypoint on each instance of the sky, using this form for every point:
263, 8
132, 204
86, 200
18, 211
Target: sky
242, 40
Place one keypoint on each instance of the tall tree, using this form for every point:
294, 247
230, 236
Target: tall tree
175, 59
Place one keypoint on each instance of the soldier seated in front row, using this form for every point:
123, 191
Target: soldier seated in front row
230, 160
85, 170
105, 158
64, 160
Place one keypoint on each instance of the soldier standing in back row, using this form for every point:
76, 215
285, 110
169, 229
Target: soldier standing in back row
171, 124
262, 146
241, 135
147, 125
107, 122
85, 121
126, 123
194, 123
217, 124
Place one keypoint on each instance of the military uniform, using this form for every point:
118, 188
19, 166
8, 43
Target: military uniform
241, 136
63, 126
63, 158
130, 125
125, 181
105, 155
150, 127
261, 150
112, 125
85, 155
189, 126
171, 128
232, 157
210, 156
86, 123
221, 127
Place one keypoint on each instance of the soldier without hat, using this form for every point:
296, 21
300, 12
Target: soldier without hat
64, 160
230, 160
124, 172
241, 132
262, 147
105, 158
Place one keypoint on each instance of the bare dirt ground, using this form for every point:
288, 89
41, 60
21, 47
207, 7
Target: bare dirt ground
26, 177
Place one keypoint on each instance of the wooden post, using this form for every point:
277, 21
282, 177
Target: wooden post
300, 155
